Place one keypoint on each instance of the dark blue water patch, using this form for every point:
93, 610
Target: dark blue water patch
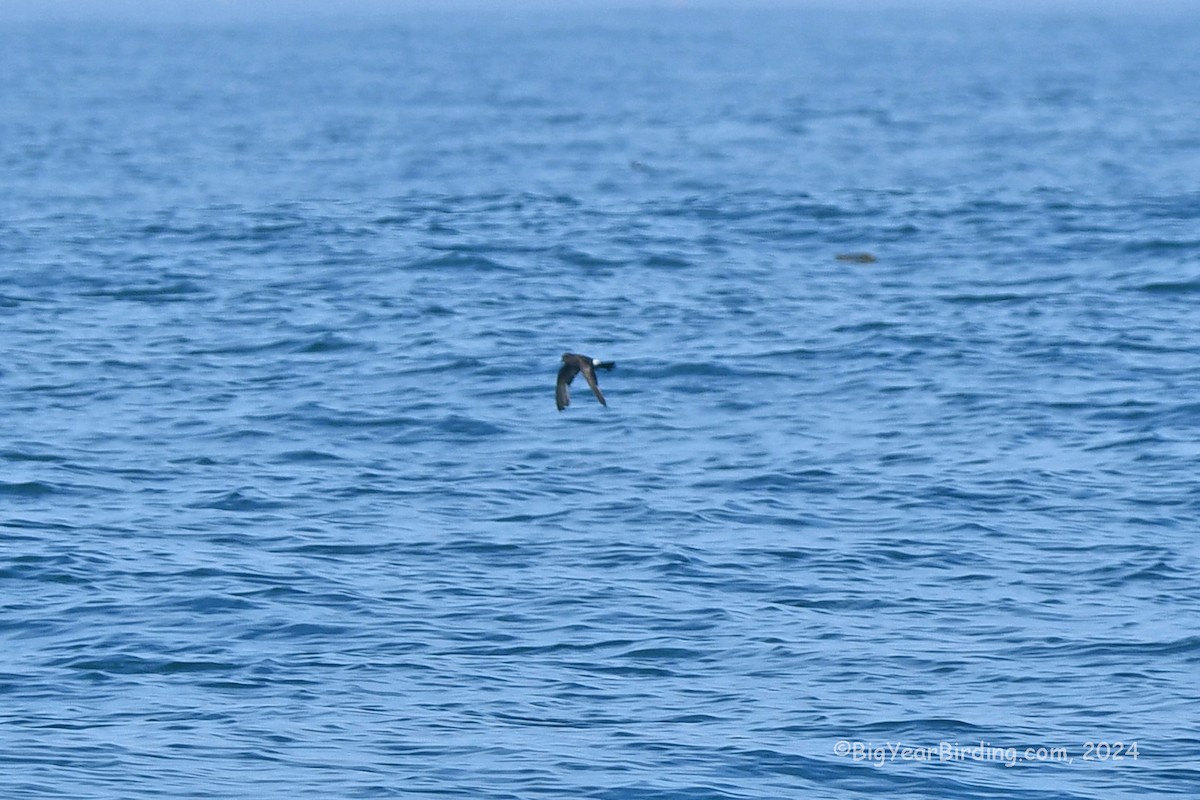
213, 604
11, 300
166, 292
1125, 410
28, 489
460, 427
464, 263
581, 258
26, 455
235, 226
1094, 651
245, 499
319, 416
298, 631
551, 515
118, 665
722, 369
442, 365
1127, 576
1171, 287
667, 261
329, 343
307, 456
1135, 442
986, 299
1156, 246
805, 481
342, 550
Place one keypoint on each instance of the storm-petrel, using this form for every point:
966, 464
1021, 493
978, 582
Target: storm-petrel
573, 363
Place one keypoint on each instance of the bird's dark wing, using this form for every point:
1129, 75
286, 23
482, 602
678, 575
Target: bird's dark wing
590, 375
562, 395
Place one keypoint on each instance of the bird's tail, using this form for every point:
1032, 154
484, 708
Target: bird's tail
605, 364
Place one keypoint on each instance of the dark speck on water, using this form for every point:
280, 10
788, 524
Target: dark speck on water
287, 511
857, 258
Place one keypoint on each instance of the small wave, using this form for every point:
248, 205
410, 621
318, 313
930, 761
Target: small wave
467, 426
306, 456
666, 261
1172, 287
296, 630
138, 665
179, 291
582, 258
27, 488
535, 517
989, 299
330, 343
25, 455
457, 261
240, 500
1162, 245
1123, 442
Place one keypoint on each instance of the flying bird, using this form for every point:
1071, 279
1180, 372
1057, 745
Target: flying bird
573, 364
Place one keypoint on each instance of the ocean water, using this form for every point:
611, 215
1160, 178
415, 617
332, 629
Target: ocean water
287, 509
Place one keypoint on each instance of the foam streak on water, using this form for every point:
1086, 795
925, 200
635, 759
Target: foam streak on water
286, 509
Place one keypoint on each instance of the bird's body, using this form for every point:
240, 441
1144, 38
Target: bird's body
572, 365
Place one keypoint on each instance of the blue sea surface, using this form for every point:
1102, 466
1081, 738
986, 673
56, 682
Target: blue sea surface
287, 511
